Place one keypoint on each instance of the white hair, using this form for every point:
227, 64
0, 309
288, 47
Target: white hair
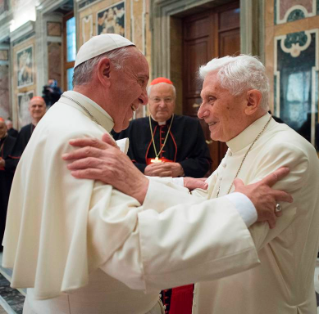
240, 74
150, 87
83, 72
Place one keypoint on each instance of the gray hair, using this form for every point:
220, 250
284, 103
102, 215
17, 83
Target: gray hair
83, 72
240, 74
150, 87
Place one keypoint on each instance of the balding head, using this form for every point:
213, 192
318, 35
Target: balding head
37, 109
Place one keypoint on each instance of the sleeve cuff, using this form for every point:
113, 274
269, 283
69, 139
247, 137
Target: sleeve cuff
178, 181
244, 207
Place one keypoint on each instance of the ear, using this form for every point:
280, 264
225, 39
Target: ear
103, 71
253, 101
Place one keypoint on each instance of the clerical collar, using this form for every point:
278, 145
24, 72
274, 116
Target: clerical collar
100, 115
248, 135
161, 123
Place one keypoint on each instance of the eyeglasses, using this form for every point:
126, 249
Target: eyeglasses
157, 100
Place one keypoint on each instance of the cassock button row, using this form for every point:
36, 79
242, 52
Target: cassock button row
220, 178
224, 164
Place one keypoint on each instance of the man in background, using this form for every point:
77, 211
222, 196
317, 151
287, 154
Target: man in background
51, 93
7, 167
37, 110
10, 130
165, 144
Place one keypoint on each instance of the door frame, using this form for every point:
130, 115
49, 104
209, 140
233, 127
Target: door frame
251, 28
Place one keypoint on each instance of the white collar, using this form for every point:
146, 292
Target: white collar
247, 136
100, 115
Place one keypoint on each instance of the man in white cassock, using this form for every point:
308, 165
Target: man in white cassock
234, 105
82, 246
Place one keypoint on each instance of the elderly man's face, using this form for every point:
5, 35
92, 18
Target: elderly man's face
3, 129
161, 102
223, 112
129, 87
37, 109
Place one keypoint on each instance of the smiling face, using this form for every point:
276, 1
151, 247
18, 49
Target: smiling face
223, 112
162, 102
37, 109
128, 86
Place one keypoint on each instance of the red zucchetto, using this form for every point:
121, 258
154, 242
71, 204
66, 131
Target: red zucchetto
161, 80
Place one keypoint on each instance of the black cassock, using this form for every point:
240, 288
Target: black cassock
23, 139
21, 143
6, 175
185, 144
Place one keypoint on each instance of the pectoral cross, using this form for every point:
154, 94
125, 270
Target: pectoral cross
155, 160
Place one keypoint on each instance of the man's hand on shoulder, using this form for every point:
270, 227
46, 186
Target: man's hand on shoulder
102, 160
264, 197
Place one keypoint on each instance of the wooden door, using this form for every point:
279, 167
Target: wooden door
207, 35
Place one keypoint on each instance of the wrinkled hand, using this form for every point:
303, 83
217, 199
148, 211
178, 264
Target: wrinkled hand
195, 183
264, 197
164, 169
102, 160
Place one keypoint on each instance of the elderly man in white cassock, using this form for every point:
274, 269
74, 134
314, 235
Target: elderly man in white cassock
234, 105
82, 246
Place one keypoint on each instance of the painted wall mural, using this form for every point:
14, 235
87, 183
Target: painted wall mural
23, 107
112, 19
25, 66
296, 82
293, 10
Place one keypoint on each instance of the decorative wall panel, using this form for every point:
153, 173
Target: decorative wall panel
23, 106
24, 79
4, 55
293, 10
54, 62
54, 29
296, 81
112, 20
5, 111
25, 66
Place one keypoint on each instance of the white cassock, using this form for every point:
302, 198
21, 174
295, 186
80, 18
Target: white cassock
284, 282
75, 242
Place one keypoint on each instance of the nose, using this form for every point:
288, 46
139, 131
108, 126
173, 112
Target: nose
202, 112
144, 98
